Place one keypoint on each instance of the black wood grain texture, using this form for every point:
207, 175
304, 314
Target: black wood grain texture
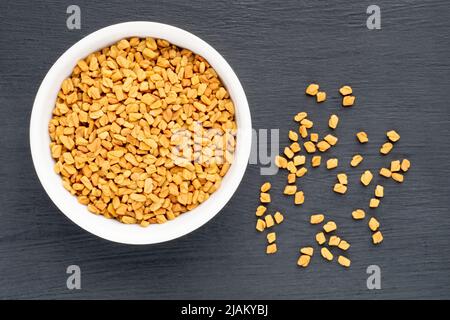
400, 75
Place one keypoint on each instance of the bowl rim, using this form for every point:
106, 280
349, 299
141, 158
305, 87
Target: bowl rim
111, 229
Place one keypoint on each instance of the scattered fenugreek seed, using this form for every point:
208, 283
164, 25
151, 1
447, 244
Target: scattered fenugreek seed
358, 214
326, 254
362, 137
316, 218
374, 224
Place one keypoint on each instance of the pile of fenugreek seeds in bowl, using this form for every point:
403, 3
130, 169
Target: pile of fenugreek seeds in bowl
293, 161
142, 131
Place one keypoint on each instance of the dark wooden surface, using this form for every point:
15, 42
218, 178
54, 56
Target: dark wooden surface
400, 75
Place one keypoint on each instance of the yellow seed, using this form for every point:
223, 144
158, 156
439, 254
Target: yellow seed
366, 177
321, 96
271, 248
291, 178
278, 217
405, 165
395, 165
340, 188
269, 221
356, 160
299, 197
333, 121
281, 162
320, 238
385, 172
377, 237
332, 140
266, 187
138, 197
264, 197
295, 147
308, 124
290, 189
312, 89
304, 260
348, 101
291, 167
343, 261
346, 90
271, 237
374, 203
358, 214
260, 225
374, 224
309, 147
386, 148
334, 241
329, 226
315, 161
326, 254
398, 177
293, 135
344, 245
316, 218
332, 163
342, 178
300, 116
260, 210
379, 191
301, 172
393, 135
309, 251
314, 137
323, 146
362, 137
288, 152
299, 160
303, 131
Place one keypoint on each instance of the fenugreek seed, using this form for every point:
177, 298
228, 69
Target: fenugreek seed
308, 124
293, 135
128, 220
374, 224
323, 146
303, 131
333, 121
348, 101
299, 197
366, 177
291, 178
386, 148
393, 135
398, 177
264, 197
288, 152
290, 189
406, 164
301, 172
326, 254
321, 96
271, 237
356, 160
314, 137
340, 188
291, 167
260, 225
271, 248
342, 178
138, 197
300, 116
332, 140
309, 251
304, 260
358, 214
269, 221
379, 191
362, 137
299, 160
266, 187
374, 203
343, 261
315, 161
332, 163
329, 226
316, 218
260, 210
377, 237
343, 245
395, 165
312, 89
334, 241
345, 90
385, 172
320, 238
281, 162
309, 147
278, 217
295, 147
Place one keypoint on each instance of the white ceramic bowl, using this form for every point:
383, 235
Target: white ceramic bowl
108, 228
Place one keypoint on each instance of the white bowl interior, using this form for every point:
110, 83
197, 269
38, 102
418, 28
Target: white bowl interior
108, 228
